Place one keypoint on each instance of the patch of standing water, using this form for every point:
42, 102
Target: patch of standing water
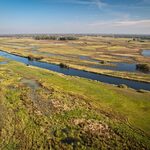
3, 62
118, 67
80, 73
31, 83
146, 53
88, 58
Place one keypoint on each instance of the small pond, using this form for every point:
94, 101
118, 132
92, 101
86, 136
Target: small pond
3, 62
88, 58
146, 53
119, 67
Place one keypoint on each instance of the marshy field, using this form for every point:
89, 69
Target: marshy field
87, 92
105, 55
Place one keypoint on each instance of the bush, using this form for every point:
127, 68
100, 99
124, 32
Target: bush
103, 62
45, 37
63, 65
39, 58
63, 38
30, 57
143, 67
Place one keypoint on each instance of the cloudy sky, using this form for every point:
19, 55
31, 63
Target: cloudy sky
75, 16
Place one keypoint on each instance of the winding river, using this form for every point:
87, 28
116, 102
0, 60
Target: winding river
80, 73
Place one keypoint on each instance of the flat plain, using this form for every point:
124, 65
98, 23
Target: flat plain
106, 55
41, 109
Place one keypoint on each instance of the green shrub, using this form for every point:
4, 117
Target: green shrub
63, 38
45, 37
143, 67
62, 65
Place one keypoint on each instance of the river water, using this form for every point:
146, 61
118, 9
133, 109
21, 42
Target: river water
74, 72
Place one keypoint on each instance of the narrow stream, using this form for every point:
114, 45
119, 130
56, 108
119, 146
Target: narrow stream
74, 72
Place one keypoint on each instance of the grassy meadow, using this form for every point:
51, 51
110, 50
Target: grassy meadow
41, 109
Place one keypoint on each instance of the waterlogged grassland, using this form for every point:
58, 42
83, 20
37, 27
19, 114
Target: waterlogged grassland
84, 53
40, 109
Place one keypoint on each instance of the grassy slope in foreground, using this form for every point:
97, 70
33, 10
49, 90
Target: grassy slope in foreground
43, 109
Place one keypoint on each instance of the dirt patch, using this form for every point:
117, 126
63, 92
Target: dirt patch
94, 127
30, 83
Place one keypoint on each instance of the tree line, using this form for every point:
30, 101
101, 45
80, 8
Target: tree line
49, 37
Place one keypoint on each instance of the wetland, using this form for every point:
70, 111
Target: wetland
83, 93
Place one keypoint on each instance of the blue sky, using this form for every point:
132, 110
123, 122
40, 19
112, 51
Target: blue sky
74, 16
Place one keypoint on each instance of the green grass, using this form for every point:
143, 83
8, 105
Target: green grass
65, 107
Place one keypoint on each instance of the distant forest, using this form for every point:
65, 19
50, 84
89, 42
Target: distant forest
49, 37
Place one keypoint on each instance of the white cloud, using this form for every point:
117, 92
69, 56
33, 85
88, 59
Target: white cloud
133, 23
123, 23
121, 26
98, 3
